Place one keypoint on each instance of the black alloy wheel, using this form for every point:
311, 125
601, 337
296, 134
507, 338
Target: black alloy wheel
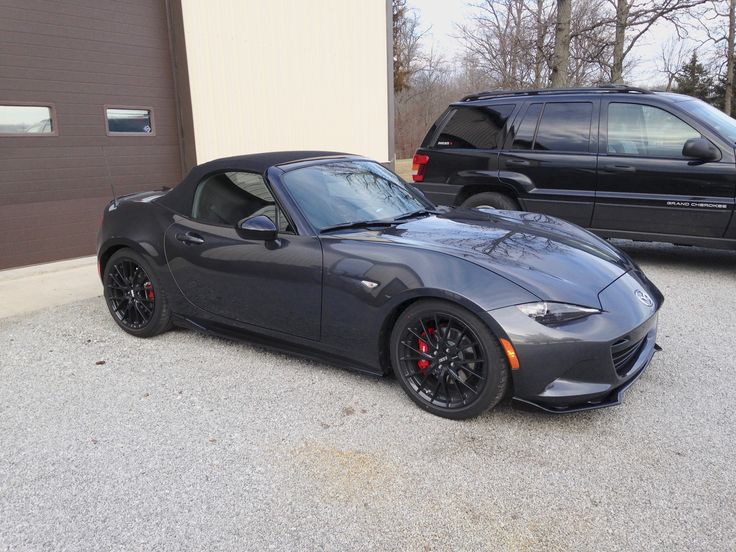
133, 295
447, 360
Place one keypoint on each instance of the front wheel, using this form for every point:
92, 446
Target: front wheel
134, 295
447, 360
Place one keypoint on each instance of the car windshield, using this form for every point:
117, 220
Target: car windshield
351, 192
721, 123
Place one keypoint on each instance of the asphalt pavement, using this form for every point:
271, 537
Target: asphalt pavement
186, 442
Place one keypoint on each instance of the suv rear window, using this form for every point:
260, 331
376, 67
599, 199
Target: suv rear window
563, 127
475, 127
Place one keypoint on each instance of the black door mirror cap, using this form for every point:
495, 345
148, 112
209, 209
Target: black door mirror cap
700, 149
259, 227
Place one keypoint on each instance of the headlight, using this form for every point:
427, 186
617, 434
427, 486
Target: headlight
551, 314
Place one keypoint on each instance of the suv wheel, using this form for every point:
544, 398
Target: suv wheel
491, 200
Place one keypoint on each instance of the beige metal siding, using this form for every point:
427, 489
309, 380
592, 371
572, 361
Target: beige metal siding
278, 74
80, 55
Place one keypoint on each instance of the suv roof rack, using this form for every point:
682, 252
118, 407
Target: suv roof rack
600, 89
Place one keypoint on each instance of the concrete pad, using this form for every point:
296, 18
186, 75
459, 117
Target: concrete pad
32, 288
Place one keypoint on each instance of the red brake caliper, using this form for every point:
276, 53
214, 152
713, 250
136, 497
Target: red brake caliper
148, 286
424, 348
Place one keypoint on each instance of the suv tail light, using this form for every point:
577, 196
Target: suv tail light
419, 167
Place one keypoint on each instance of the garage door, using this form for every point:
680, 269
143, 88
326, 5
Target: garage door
86, 102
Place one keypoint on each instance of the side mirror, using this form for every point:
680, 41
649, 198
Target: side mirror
701, 149
259, 227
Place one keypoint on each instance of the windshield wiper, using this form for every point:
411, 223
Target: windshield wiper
357, 224
418, 213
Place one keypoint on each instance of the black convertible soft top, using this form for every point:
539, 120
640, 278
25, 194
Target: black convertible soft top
180, 198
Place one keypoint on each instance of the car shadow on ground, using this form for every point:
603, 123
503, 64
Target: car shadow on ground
677, 255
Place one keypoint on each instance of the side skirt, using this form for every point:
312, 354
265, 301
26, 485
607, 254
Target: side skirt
275, 345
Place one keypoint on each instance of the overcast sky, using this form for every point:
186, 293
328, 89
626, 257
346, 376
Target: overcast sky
442, 15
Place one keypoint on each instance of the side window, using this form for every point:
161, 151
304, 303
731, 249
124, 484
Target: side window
524, 138
27, 120
565, 127
475, 127
646, 131
129, 120
227, 197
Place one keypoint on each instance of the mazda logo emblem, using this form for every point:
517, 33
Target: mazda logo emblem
644, 298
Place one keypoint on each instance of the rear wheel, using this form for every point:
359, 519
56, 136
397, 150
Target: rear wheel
134, 295
447, 360
491, 200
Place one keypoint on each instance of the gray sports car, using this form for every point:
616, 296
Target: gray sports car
334, 256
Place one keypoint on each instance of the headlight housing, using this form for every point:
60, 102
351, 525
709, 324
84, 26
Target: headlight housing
553, 314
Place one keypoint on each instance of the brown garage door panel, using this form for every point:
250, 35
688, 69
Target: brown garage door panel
61, 189
49, 231
79, 56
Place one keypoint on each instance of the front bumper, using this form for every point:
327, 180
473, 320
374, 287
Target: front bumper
586, 364
613, 398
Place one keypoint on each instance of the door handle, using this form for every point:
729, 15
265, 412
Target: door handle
619, 168
190, 238
517, 162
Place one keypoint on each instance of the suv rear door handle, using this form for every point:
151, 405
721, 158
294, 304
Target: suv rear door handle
619, 168
190, 238
517, 162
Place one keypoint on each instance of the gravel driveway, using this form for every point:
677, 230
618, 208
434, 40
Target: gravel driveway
186, 442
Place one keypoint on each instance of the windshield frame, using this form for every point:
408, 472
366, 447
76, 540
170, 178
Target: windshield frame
278, 173
709, 115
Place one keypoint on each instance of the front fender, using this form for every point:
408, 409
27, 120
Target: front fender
366, 283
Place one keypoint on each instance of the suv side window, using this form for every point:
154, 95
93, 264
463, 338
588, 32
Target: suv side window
227, 197
565, 127
475, 127
647, 131
524, 138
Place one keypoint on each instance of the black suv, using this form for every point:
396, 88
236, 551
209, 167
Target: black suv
622, 161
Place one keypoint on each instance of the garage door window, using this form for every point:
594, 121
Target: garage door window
27, 120
129, 120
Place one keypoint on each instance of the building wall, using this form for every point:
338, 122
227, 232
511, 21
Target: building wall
279, 75
80, 56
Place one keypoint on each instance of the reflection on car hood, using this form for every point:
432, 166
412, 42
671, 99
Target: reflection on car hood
553, 259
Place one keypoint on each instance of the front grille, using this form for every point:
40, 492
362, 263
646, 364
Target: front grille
625, 353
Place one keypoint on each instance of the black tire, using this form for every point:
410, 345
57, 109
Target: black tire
494, 200
470, 375
134, 295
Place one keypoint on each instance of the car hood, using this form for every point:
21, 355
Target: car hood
551, 258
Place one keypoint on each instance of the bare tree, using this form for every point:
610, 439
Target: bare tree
513, 42
634, 18
591, 44
418, 105
407, 44
503, 39
719, 27
728, 95
544, 21
561, 56
673, 55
